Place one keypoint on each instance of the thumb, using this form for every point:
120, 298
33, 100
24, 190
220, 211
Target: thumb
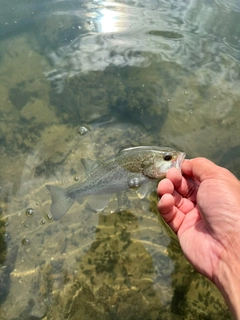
202, 169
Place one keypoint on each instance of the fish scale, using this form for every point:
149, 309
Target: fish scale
130, 168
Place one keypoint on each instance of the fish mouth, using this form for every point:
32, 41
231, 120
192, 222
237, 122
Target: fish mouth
179, 161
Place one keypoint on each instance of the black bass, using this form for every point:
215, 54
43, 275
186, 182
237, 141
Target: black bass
131, 168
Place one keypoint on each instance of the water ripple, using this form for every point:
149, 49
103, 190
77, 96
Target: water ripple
129, 35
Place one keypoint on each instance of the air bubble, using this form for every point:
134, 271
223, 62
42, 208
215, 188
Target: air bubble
6, 236
30, 212
82, 131
26, 241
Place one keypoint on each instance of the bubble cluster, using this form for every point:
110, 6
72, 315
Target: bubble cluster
6, 236
49, 216
134, 183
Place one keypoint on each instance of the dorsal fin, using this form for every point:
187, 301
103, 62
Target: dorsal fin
89, 164
122, 148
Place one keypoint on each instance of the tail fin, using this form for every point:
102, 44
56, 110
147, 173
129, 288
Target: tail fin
61, 202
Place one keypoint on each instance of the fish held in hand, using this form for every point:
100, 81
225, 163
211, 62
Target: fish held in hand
131, 168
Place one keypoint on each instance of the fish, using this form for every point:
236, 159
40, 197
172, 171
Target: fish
131, 168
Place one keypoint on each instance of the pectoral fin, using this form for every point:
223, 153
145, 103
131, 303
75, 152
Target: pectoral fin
142, 190
98, 202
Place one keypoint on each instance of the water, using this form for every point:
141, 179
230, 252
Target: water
130, 72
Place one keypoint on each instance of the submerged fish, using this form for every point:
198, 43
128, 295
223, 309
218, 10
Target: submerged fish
131, 168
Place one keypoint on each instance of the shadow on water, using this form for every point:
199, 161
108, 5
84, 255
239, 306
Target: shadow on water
101, 93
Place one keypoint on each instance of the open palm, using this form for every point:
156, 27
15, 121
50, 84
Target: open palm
202, 206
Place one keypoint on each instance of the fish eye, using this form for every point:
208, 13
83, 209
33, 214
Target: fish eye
167, 157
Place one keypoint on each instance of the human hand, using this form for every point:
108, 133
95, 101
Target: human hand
202, 207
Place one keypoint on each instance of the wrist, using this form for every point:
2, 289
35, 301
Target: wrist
227, 280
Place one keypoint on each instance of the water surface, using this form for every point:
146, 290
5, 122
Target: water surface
133, 73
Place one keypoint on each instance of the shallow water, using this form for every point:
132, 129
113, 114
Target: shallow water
133, 73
